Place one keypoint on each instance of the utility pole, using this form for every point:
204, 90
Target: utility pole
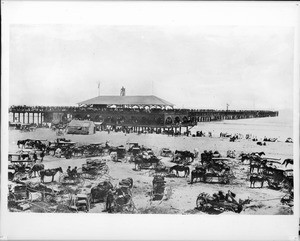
99, 88
152, 87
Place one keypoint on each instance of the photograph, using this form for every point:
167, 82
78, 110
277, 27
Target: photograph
150, 118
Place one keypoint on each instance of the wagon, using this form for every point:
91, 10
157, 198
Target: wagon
208, 203
93, 168
65, 179
213, 177
123, 200
134, 148
165, 152
217, 178
19, 193
158, 188
19, 169
94, 149
121, 152
80, 202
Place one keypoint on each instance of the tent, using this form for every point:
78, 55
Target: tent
84, 127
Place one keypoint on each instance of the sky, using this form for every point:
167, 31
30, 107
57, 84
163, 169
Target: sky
248, 67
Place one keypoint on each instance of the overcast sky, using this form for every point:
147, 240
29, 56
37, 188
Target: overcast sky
190, 66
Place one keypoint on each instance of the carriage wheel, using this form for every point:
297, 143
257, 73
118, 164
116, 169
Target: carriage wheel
237, 209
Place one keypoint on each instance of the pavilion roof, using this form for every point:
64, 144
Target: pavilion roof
126, 100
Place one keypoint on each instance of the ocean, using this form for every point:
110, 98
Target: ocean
280, 127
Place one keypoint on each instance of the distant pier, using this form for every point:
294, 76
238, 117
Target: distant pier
158, 120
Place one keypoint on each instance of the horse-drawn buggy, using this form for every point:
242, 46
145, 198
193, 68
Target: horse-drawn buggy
183, 157
80, 202
165, 152
145, 161
218, 202
94, 149
61, 148
118, 153
217, 171
134, 149
19, 193
211, 176
117, 200
122, 196
93, 169
159, 185
19, 167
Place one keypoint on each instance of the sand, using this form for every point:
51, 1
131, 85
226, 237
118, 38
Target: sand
180, 196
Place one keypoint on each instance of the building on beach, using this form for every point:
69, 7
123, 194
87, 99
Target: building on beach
83, 127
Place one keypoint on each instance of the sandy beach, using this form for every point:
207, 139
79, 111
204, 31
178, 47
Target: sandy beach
180, 196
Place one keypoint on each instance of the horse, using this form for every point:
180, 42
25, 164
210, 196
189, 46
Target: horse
49, 173
100, 191
206, 157
256, 178
139, 160
287, 162
36, 168
22, 142
179, 168
40, 146
199, 172
186, 154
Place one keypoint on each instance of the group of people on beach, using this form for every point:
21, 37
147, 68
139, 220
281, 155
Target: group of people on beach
72, 173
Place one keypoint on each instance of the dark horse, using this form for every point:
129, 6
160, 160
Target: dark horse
257, 178
186, 154
139, 161
49, 173
288, 161
22, 142
179, 168
36, 168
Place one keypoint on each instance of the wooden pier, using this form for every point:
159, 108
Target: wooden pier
157, 120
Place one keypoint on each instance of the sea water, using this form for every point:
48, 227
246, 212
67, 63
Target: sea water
280, 127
